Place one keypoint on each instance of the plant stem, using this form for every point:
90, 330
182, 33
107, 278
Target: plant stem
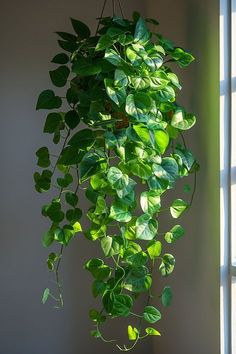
58, 276
183, 140
194, 188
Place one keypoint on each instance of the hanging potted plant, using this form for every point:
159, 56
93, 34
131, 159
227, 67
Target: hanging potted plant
120, 132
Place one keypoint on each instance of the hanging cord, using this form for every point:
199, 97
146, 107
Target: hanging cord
103, 8
113, 10
121, 10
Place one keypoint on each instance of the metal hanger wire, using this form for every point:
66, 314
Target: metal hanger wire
113, 10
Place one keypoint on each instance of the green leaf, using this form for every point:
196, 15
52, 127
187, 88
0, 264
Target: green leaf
182, 120
98, 288
98, 181
141, 34
116, 138
122, 305
152, 331
167, 296
53, 211
138, 105
83, 139
95, 333
174, 80
153, 61
43, 157
98, 269
185, 158
130, 234
108, 301
116, 94
71, 199
72, 95
96, 316
174, 234
48, 100
104, 42
48, 238
146, 227
68, 46
119, 212
86, 67
172, 132
46, 295
112, 56
52, 259
178, 207
60, 75
133, 54
53, 123
80, 29
151, 314
165, 43
120, 78
154, 249
167, 265
150, 202
168, 170
95, 231
141, 170
43, 181
71, 155
72, 119
161, 139
100, 207
89, 165
67, 36
137, 259
140, 83
66, 181
77, 226
117, 179
138, 280
132, 248
69, 233
73, 215
127, 193
60, 58
157, 184
183, 58
56, 137
59, 235
110, 245
132, 332
142, 132
121, 21
166, 94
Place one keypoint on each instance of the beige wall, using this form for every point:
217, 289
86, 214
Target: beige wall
191, 325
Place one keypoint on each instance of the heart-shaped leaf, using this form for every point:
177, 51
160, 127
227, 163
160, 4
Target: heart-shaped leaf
48, 100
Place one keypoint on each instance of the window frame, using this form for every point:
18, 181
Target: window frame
227, 173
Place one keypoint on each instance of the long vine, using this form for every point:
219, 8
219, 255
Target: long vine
121, 130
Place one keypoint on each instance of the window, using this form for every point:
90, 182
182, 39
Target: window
228, 174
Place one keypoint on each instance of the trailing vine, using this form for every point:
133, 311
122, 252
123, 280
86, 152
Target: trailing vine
121, 130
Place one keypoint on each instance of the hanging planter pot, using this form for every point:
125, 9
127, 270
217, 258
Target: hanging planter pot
118, 135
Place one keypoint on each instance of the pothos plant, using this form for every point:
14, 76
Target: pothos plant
121, 134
